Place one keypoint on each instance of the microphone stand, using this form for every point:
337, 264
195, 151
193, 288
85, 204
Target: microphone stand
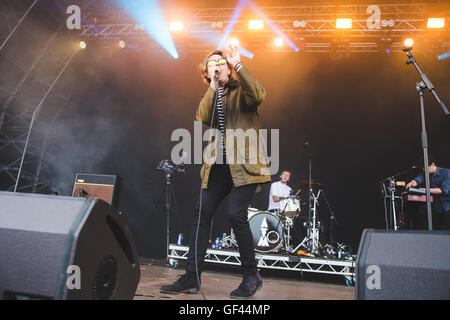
393, 197
168, 208
398, 174
169, 169
420, 87
391, 188
309, 180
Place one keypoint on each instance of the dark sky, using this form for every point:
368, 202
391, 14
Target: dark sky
360, 115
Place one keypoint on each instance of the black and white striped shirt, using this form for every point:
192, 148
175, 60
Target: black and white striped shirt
221, 119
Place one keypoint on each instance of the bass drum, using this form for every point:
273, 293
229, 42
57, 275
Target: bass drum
267, 231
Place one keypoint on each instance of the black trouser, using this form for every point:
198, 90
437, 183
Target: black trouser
419, 219
442, 221
220, 185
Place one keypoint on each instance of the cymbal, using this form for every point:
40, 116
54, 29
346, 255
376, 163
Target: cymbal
314, 184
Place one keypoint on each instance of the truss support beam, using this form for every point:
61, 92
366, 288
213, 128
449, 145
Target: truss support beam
345, 268
311, 27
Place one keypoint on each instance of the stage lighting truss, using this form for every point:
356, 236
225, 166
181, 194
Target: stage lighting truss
32, 68
312, 28
274, 261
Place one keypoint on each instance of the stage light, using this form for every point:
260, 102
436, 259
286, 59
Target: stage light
278, 42
408, 43
216, 25
255, 25
149, 15
234, 41
82, 45
299, 24
343, 23
122, 44
176, 26
436, 23
272, 25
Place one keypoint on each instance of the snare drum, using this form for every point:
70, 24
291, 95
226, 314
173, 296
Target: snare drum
290, 206
267, 231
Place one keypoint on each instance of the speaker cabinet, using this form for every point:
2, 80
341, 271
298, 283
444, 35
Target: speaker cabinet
64, 248
403, 264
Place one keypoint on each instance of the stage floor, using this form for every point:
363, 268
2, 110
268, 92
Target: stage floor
217, 285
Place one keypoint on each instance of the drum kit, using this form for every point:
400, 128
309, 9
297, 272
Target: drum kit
272, 230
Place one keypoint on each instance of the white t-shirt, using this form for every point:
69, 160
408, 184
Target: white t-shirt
278, 189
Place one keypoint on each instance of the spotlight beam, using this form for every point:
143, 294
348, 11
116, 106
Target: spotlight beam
230, 26
224, 37
444, 55
246, 53
273, 26
150, 15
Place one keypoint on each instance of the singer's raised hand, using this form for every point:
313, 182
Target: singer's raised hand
234, 55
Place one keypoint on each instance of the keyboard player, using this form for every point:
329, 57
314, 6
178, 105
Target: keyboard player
439, 189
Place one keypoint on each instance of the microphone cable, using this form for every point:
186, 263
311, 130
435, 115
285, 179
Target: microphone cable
200, 208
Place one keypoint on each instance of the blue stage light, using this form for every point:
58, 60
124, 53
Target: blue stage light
444, 55
148, 13
236, 13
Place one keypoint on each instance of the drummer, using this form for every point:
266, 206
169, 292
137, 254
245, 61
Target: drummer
279, 190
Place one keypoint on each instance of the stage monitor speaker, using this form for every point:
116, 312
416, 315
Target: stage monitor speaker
406, 264
54, 247
98, 186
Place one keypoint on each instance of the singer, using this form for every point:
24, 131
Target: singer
231, 102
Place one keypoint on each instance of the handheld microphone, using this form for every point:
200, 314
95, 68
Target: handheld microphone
216, 75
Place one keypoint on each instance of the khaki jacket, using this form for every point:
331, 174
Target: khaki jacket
248, 161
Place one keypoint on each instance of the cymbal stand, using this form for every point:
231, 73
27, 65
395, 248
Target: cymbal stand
333, 219
311, 241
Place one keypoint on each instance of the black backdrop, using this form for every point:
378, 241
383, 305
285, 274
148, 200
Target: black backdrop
360, 115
